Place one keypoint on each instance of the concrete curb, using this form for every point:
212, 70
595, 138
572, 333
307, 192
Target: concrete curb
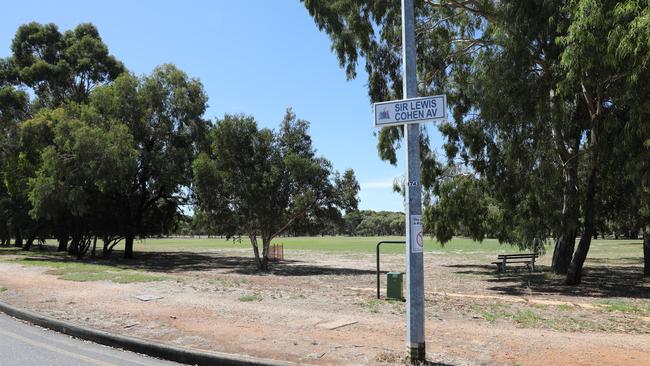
137, 345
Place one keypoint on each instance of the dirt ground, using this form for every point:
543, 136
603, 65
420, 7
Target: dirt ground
321, 309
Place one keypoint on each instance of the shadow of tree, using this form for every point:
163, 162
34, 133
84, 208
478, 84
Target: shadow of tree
616, 261
597, 281
176, 262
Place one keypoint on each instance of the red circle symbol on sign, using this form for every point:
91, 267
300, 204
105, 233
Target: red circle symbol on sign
419, 239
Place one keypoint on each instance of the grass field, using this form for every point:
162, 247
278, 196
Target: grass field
620, 251
325, 243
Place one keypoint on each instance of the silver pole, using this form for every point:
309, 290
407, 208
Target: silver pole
414, 260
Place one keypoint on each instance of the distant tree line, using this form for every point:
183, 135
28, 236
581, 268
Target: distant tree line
373, 223
93, 155
549, 134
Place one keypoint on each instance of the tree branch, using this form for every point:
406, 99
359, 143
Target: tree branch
471, 6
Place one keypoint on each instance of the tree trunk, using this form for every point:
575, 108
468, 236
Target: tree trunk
83, 246
266, 242
105, 247
73, 248
564, 246
128, 246
92, 253
646, 251
262, 261
19, 239
256, 251
4, 234
574, 275
28, 243
63, 244
565, 242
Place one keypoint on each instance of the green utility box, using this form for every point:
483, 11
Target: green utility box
394, 286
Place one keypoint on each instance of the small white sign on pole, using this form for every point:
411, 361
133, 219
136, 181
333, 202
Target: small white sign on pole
414, 110
417, 243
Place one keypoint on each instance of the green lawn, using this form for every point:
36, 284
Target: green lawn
81, 271
600, 248
326, 243
622, 250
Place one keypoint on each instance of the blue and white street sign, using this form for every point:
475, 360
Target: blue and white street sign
413, 110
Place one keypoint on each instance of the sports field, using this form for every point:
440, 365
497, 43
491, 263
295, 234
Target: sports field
618, 251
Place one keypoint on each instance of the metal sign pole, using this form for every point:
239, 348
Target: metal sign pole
414, 237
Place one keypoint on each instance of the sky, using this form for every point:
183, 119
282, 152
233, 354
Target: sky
254, 57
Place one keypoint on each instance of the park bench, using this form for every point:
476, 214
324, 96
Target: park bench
527, 259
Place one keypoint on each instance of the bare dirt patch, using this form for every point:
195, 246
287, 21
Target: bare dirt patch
320, 308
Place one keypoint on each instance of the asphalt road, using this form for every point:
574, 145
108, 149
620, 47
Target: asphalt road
22, 344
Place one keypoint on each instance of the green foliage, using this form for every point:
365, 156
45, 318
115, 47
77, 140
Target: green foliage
82, 272
540, 317
250, 298
372, 305
540, 91
564, 307
263, 183
624, 306
467, 52
131, 185
75, 173
371, 223
446, 216
98, 152
62, 67
59, 69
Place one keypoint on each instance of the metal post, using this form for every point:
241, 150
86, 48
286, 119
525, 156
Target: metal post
378, 262
414, 260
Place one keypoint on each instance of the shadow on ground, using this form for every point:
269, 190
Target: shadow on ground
598, 281
175, 262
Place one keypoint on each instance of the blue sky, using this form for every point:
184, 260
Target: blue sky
255, 57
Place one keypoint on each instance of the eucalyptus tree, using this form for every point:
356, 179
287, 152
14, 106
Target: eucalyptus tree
604, 63
262, 183
530, 85
13, 109
77, 179
477, 54
163, 112
62, 67
58, 68
119, 166
630, 44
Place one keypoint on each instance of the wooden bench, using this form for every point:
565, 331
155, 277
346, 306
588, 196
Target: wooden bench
523, 258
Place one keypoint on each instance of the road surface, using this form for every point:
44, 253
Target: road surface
22, 344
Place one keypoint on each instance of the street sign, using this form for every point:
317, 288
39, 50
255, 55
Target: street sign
416, 230
412, 110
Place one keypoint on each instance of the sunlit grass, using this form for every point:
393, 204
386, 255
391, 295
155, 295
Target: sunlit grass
624, 306
555, 317
249, 298
81, 272
366, 244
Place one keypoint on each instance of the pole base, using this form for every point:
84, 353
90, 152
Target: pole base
417, 353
